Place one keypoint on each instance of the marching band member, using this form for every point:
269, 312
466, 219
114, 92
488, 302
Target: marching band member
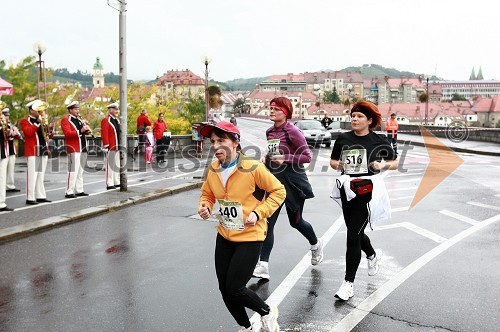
75, 130
37, 132
11, 159
110, 134
4, 153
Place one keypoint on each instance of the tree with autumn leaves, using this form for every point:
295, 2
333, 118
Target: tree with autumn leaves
179, 113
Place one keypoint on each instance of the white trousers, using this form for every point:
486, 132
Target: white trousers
3, 178
76, 164
11, 163
35, 188
112, 168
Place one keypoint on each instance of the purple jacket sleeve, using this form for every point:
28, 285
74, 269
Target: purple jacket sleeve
299, 151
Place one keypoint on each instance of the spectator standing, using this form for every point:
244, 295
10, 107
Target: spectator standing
75, 135
110, 134
326, 121
232, 119
11, 158
162, 141
391, 127
150, 143
142, 122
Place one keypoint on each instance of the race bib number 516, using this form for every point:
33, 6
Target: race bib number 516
355, 161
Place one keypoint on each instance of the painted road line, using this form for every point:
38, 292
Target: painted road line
401, 198
402, 189
459, 217
414, 228
403, 174
291, 279
401, 209
365, 307
484, 206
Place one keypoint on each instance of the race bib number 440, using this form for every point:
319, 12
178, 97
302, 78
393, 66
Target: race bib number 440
355, 161
231, 215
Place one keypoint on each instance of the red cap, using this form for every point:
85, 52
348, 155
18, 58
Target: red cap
228, 127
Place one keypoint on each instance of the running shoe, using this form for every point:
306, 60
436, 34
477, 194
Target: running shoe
270, 321
246, 329
346, 291
317, 254
373, 263
261, 271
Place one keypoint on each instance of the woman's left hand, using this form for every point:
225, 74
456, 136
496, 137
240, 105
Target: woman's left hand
278, 159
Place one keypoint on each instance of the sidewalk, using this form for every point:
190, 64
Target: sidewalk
20, 222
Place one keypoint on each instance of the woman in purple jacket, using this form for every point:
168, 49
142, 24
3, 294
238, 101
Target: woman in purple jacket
287, 152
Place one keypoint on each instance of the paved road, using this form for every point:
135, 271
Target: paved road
150, 266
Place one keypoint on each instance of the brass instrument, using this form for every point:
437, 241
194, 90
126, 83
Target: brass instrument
3, 121
41, 107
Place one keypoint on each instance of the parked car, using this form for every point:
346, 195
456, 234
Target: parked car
334, 129
314, 132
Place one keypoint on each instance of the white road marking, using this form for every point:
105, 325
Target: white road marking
414, 228
401, 209
459, 217
485, 206
402, 189
291, 279
365, 307
401, 198
403, 174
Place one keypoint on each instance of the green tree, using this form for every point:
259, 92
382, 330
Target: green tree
332, 97
23, 77
457, 96
423, 97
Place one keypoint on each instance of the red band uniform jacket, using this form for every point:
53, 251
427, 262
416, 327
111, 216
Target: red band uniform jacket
76, 141
34, 142
110, 133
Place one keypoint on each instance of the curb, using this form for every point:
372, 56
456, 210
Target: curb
33, 227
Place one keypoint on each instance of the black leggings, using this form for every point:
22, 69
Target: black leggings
356, 217
296, 221
234, 265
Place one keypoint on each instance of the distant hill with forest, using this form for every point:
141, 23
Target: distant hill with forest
238, 84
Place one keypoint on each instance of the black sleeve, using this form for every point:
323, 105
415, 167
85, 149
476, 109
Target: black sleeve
337, 147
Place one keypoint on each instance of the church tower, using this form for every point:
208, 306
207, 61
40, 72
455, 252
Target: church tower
98, 74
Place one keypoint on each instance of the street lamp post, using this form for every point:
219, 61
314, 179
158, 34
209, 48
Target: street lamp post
426, 98
39, 49
301, 114
205, 59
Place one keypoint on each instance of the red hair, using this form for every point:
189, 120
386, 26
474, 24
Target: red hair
370, 110
285, 104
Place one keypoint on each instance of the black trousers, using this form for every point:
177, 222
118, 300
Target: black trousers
355, 214
161, 148
393, 141
234, 265
296, 221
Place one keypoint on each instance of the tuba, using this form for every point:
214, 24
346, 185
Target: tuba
41, 107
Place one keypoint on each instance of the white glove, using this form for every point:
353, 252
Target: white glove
105, 149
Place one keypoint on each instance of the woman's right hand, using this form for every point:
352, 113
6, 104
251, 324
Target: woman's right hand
336, 164
204, 212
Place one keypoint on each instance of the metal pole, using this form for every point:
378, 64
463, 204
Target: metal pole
123, 96
206, 91
40, 73
44, 83
427, 100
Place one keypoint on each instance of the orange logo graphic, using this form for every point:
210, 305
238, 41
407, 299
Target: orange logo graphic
442, 162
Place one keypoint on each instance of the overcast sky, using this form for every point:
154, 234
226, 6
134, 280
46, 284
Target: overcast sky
259, 37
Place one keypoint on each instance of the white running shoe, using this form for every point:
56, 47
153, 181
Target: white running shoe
246, 329
261, 270
270, 321
373, 263
317, 254
346, 291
